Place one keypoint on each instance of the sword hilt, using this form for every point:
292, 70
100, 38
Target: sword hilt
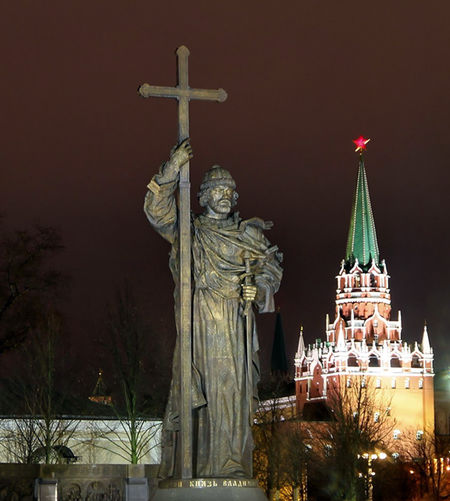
247, 278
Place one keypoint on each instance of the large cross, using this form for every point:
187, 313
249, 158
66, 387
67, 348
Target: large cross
183, 93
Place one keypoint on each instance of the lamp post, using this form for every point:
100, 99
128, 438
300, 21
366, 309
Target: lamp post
370, 473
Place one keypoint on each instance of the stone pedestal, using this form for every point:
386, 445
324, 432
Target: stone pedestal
136, 489
136, 484
46, 489
209, 489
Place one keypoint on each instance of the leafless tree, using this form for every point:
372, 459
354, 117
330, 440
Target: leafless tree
427, 459
131, 441
27, 281
360, 425
39, 429
297, 457
131, 436
270, 456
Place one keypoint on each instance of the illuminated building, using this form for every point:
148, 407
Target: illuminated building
363, 345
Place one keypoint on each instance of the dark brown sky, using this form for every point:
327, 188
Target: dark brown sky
304, 78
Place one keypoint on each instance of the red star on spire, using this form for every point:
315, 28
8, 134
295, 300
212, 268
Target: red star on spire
360, 143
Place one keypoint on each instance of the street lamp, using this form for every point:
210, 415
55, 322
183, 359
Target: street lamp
370, 473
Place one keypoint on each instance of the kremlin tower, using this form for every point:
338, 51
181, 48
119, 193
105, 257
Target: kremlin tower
363, 343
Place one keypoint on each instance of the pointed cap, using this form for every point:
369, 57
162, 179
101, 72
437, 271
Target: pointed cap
362, 242
279, 363
301, 343
100, 393
426, 348
341, 340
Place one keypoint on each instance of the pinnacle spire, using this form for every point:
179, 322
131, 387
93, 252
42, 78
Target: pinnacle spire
362, 242
341, 340
279, 364
426, 348
301, 343
100, 394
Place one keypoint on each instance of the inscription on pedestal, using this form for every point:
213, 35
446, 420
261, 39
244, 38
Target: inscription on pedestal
202, 483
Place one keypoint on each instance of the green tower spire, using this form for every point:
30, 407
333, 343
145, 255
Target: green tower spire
278, 364
362, 238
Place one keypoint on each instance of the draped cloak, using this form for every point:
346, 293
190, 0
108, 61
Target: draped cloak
222, 439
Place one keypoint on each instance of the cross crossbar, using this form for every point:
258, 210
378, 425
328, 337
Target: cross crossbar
147, 90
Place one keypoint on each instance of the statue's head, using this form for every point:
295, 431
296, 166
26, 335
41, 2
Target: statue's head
218, 192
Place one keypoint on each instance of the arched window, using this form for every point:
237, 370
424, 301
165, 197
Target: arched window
374, 361
416, 362
352, 361
395, 361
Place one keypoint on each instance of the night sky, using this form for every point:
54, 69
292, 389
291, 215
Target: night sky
78, 145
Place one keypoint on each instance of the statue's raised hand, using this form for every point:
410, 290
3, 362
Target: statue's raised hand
179, 155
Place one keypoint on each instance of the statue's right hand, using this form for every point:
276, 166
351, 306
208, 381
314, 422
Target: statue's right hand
181, 154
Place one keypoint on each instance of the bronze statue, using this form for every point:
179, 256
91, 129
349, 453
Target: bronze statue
233, 266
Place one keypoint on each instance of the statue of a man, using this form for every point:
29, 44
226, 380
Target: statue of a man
221, 244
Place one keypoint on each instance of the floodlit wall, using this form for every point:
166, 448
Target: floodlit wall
88, 441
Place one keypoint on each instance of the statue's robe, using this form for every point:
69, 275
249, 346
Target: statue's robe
222, 439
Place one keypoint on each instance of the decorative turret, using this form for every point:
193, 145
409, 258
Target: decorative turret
340, 346
426, 348
100, 395
301, 344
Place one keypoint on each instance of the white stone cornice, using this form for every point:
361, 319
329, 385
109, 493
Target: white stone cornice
363, 300
372, 372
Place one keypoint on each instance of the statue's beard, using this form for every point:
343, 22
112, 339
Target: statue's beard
222, 207
226, 204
